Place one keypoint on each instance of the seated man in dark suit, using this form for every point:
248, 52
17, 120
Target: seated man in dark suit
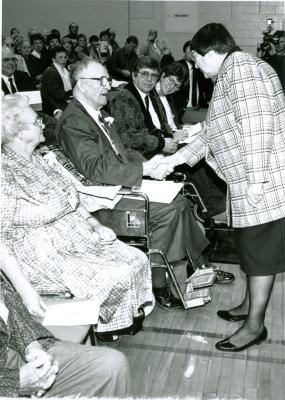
12, 80
33, 363
198, 90
98, 153
137, 115
56, 89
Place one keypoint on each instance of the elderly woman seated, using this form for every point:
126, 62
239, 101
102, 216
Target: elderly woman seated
53, 238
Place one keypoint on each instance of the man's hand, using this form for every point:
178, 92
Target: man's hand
170, 161
34, 303
254, 194
153, 168
105, 234
170, 146
180, 135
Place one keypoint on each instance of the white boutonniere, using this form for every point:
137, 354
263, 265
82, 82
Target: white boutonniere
109, 120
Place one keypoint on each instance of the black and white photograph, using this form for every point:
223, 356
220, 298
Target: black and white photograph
142, 200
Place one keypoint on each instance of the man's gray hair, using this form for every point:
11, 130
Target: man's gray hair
77, 71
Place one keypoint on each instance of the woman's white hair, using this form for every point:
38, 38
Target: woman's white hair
12, 111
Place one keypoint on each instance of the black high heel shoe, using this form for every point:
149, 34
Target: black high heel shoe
227, 316
226, 345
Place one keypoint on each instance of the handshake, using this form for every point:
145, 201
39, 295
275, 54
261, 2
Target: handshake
158, 167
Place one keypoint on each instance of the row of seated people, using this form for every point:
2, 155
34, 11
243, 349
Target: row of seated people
56, 92
51, 210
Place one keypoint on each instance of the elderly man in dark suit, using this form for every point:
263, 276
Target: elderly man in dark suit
34, 363
56, 89
12, 80
99, 154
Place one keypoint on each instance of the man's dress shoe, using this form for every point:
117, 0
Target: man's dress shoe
226, 315
165, 299
226, 345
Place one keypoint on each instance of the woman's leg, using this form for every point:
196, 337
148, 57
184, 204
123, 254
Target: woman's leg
259, 291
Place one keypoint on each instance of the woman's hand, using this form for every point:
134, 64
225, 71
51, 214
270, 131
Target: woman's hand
254, 193
105, 234
34, 303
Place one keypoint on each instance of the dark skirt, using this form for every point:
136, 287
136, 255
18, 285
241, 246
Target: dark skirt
261, 248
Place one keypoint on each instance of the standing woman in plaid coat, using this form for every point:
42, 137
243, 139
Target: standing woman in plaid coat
244, 142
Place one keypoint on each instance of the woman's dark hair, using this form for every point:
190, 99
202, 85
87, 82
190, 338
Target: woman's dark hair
93, 38
52, 36
212, 37
145, 62
176, 69
103, 33
37, 36
185, 45
58, 49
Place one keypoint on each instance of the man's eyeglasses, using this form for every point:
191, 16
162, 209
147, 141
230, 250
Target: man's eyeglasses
6, 60
38, 122
174, 84
104, 80
148, 76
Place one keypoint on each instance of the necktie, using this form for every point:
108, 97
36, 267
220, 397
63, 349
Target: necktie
109, 137
12, 86
146, 99
194, 89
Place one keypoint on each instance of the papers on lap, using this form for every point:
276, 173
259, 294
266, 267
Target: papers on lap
71, 312
160, 191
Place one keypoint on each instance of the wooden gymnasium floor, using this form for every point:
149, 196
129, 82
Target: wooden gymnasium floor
174, 355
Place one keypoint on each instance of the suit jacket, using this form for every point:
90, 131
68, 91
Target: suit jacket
134, 123
52, 91
23, 82
245, 138
85, 144
17, 334
181, 97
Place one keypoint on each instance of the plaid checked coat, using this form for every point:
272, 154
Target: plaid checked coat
20, 331
245, 138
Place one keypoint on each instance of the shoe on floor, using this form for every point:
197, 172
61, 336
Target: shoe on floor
226, 345
165, 299
227, 316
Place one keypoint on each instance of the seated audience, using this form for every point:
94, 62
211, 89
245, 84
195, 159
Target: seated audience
112, 39
105, 50
71, 56
12, 80
97, 152
155, 47
137, 115
197, 91
81, 49
52, 41
122, 61
35, 364
9, 42
56, 89
52, 237
94, 48
25, 51
40, 58
73, 30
